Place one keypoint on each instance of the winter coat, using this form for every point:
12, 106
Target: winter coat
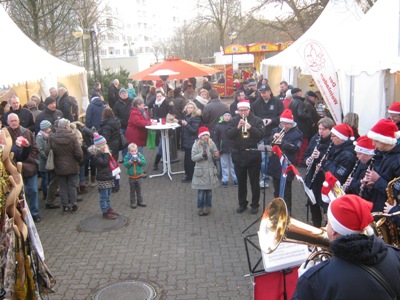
67, 152
211, 114
29, 165
134, 169
301, 115
200, 102
179, 105
291, 143
224, 144
136, 131
272, 109
161, 111
94, 113
25, 118
240, 154
310, 107
189, 132
341, 160
101, 161
42, 142
49, 115
388, 169
113, 95
110, 130
205, 172
64, 104
339, 277
122, 110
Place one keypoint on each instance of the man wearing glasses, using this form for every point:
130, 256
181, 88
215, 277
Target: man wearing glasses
246, 162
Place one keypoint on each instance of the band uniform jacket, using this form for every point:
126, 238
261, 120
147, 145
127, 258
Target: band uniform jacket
291, 143
241, 153
341, 160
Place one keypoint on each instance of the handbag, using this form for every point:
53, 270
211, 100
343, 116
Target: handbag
151, 139
50, 161
123, 143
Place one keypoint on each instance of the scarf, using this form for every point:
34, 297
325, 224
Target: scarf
202, 100
158, 103
143, 113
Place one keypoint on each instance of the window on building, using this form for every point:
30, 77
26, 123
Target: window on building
111, 50
117, 51
103, 51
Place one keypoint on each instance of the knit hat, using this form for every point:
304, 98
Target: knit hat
385, 131
202, 131
364, 145
122, 91
343, 132
227, 113
252, 83
394, 108
49, 100
350, 214
312, 94
287, 116
44, 125
63, 123
99, 140
244, 103
295, 90
245, 82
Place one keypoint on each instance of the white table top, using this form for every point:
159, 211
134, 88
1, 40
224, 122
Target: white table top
166, 126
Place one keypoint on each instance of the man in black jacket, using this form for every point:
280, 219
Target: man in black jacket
354, 248
113, 93
24, 114
50, 113
303, 119
122, 110
247, 163
269, 109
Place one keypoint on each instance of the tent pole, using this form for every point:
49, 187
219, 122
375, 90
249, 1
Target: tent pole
351, 98
26, 90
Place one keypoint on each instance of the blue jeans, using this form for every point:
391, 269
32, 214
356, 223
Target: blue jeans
82, 173
31, 194
105, 195
204, 198
264, 166
227, 167
45, 181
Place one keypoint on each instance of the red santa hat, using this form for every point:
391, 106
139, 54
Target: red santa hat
327, 186
202, 131
343, 132
350, 214
394, 108
385, 131
364, 145
287, 116
244, 103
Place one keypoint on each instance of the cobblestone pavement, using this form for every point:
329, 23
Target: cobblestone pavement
166, 243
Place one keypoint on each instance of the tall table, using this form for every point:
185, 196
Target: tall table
165, 148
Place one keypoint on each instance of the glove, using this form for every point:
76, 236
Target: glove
205, 156
387, 208
304, 268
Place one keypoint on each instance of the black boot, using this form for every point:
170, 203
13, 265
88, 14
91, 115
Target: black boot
156, 161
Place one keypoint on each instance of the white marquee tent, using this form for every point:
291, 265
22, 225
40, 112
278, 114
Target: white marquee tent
23, 62
364, 50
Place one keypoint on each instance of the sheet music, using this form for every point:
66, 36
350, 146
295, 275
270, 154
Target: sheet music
287, 255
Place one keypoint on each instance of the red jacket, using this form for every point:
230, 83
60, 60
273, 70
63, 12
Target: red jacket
136, 131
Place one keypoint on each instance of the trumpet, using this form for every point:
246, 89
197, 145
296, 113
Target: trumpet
245, 134
278, 139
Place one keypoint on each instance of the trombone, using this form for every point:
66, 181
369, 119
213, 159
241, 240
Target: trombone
278, 139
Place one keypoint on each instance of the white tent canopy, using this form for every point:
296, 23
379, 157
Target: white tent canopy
337, 17
22, 61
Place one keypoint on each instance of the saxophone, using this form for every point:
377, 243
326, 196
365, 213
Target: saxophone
384, 228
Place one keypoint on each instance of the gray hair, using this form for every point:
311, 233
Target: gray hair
137, 101
12, 115
63, 123
115, 81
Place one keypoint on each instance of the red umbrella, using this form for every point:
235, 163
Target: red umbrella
184, 68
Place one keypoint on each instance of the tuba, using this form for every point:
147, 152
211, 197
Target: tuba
276, 227
245, 134
384, 228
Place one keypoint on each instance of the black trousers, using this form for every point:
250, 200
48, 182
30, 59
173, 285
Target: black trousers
253, 172
287, 195
188, 163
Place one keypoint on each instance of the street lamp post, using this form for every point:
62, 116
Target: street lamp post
90, 34
232, 36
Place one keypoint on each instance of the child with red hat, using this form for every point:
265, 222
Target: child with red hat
288, 137
354, 248
205, 173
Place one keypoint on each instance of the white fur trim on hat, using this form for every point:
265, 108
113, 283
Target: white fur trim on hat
243, 104
393, 112
339, 135
364, 150
203, 133
337, 226
382, 138
286, 120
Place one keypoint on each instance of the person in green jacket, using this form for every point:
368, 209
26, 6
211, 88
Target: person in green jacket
134, 161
